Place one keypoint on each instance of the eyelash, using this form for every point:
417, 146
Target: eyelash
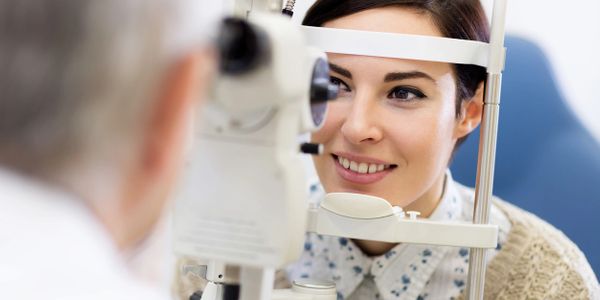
392, 94
339, 83
418, 95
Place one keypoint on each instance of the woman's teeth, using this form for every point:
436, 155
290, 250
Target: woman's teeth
362, 168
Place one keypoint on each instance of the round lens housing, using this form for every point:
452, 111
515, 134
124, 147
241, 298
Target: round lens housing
321, 91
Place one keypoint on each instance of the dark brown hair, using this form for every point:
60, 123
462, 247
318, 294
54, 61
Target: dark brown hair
459, 19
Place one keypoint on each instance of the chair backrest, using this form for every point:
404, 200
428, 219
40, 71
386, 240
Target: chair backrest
546, 162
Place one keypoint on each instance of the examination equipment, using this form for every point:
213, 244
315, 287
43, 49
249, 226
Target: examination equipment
248, 136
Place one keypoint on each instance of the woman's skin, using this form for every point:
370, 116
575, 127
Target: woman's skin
394, 114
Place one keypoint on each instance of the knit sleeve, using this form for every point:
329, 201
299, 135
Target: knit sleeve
538, 262
186, 281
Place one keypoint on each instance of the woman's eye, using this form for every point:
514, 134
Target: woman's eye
405, 94
343, 89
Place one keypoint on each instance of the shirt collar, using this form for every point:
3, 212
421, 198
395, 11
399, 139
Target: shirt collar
403, 272
400, 273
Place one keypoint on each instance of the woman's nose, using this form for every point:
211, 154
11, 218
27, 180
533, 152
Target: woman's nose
360, 125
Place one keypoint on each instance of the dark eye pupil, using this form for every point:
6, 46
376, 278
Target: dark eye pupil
403, 94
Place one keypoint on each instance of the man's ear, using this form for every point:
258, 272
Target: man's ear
159, 155
470, 114
182, 90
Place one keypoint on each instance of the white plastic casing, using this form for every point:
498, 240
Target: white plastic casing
243, 196
372, 218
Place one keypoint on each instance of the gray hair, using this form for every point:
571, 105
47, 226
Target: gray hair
77, 76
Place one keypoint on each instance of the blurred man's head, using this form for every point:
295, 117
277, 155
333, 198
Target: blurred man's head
96, 98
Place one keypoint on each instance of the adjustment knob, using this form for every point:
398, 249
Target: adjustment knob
242, 47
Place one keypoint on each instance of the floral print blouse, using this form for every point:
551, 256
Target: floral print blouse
407, 271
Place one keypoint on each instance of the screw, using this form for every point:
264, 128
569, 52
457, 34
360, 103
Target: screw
413, 214
398, 211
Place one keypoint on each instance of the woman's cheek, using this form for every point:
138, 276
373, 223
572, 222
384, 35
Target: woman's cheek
424, 141
415, 130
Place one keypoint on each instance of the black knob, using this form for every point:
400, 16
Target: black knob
231, 292
242, 46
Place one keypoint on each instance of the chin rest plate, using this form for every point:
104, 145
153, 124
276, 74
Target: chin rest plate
357, 206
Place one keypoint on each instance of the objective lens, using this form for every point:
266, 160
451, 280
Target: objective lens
321, 91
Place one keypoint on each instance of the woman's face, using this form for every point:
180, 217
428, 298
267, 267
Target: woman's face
393, 128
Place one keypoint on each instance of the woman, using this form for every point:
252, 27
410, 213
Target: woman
391, 134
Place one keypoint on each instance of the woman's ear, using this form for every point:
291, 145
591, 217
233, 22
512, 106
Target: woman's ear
471, 112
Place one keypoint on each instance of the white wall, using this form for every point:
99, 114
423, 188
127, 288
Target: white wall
569, 33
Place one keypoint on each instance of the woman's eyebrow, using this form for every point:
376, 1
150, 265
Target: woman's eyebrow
406, 75
340, 70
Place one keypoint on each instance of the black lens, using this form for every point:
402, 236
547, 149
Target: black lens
321, 91
318, 111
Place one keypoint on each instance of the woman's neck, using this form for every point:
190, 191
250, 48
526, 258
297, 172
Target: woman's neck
425, 204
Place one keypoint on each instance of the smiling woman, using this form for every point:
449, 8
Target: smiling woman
392, 112
392, 133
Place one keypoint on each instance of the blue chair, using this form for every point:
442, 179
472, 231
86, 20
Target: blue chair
546, 162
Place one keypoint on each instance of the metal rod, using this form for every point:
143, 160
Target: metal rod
487, 148
256, 283
485, 182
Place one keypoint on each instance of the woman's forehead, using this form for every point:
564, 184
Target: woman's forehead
375, 67
392, 19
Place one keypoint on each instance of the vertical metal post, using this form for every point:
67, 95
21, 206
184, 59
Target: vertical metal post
487, 148
485, 183
256, 283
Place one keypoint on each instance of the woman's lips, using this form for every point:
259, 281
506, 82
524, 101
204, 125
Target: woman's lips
360, 177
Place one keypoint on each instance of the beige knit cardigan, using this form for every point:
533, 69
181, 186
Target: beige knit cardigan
536, 262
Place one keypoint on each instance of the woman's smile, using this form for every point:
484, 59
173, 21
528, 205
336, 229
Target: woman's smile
359, 169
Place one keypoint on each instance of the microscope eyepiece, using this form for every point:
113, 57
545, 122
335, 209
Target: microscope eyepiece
242, 47
321, 88
321, 91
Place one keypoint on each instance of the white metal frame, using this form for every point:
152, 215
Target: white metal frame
396, 45
368, 217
